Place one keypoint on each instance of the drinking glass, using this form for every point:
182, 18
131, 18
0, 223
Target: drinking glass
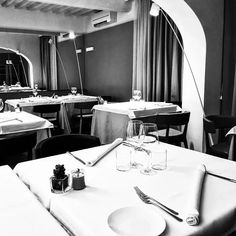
137, 95
35, 92
133, 134
148, 135
73, 90
1, 104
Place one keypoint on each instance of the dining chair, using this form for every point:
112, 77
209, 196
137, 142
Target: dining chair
83, 113
63, 143
51, 113
13, 147
172, 127
215, 128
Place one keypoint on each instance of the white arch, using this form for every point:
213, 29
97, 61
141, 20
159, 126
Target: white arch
195, 48
31, 79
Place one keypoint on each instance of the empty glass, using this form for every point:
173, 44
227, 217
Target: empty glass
133, 135
148, 135
137, 95
73, 90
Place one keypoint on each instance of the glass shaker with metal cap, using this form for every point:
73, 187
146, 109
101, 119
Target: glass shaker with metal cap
78, 182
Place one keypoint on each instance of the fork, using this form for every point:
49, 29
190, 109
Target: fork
149, 200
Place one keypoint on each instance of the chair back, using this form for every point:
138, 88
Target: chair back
167, 121
85, 105
215, 128
19, 143
63, 143
147, 119
49, 108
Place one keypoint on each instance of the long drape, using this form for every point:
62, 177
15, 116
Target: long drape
157, 62
48, 62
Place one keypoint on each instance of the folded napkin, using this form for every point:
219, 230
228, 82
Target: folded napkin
193, 215
117, 142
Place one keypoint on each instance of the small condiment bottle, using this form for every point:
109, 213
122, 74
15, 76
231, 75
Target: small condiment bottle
78, 182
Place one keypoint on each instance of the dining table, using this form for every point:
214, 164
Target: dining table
67, 106
20, 212
110, 120
109, 202
21, 122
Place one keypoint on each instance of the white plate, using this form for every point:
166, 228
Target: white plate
136, 221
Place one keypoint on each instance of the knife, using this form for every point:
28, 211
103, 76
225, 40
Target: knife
221, 177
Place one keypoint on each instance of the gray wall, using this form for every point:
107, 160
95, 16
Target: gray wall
27, 45
107, 70
229, 56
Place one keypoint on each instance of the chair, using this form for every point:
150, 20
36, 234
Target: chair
63, 143
83, 111
16, 144
51, 113
173, 127
215, 128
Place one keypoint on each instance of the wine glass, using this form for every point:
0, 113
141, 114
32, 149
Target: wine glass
73, 90
137, 95
1, 104
132, 136
148, 135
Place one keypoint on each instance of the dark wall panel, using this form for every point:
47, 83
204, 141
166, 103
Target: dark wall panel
211, 16
229, 59
66, 50
108, 68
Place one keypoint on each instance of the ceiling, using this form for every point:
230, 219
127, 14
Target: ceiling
70, 8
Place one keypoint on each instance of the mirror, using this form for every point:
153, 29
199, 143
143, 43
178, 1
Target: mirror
13, 69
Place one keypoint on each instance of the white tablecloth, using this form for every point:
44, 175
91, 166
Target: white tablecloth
19, 122
20, 211
86, 212
66, 102
110, 120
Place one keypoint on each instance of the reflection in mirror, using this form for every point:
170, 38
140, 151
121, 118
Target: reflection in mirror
13, 69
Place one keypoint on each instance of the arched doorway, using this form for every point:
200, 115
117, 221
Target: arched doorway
194, 42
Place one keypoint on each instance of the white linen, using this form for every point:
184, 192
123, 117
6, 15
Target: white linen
136, 109
117, 142
194, 201
64, 101
86, 212
20, 211
21, 122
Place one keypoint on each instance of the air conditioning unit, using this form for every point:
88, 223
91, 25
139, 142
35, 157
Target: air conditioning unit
63, 37
103, 18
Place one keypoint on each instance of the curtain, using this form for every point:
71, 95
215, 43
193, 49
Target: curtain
48, 62
157, 62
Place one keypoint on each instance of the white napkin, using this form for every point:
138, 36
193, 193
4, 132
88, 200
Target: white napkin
193, 215
117, 142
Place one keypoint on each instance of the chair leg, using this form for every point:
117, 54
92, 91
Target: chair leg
185, 143
80, 125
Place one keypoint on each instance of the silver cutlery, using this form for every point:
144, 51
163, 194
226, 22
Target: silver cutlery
77, 158
149, 200
221, 177
136, 147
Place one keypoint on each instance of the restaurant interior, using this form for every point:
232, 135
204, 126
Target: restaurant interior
118, 117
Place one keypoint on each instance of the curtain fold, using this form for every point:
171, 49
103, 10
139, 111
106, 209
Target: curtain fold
48, 62
157, 62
